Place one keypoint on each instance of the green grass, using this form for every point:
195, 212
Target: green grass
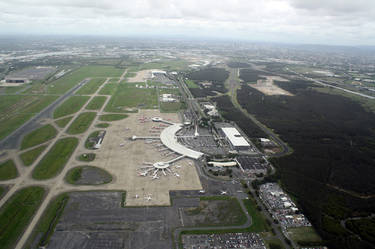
191, 84
259, 223
2, 191
8, 170
304, 235
108, 89
63, 121
75, 174
17, 109
87, 157
72, 105
170, 107
38, 136
49, 220
102, 125
71, 79
96, 103
30, 156
112, 117
89, 145
81, 123
91, 86
129, 97
53, 162
16, 214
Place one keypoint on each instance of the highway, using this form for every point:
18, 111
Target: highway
13, 140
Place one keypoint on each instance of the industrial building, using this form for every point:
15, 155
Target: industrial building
16, 80
235, 138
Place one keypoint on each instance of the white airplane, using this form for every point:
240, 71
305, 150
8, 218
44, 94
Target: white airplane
202, 191
148, 198
122, 144
223, 192
177, 175
155, 177
136, 196
178, 166
143, 173
190, 163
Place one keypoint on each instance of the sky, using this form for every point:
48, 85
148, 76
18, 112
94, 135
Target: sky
333, 22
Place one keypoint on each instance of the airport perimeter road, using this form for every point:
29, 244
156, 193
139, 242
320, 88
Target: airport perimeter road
12, 140
234, 85
178, 231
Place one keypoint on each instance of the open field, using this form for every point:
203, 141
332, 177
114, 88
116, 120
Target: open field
170, 106
108, 89
259, 223
8, 170
87, 157
268, 87
191, 84
102, 125
304, 235
125, 161
91, 86
128, 98
53, 162
17, 213
140, 76
72, 105
30, 156
96, 103
81, 123
16, 110
63, 121
38, 136
112, 117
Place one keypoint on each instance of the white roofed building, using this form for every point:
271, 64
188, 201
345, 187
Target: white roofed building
235, 138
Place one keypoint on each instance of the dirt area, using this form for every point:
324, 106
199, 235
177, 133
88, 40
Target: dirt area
93, 176
122, 158
142, 76
268, 87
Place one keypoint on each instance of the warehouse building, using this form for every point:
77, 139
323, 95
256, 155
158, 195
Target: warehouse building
235, 138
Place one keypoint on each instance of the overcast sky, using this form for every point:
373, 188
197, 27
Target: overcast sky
341, 22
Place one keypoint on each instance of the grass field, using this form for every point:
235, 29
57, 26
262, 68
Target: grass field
30, 156
38, 136
96, 103
81, 123
259, 223
89, 144
191, 84
16, 214
75, 174
48, 220
72, 105
53, 162
131, 97
87, 157
8, 170
102, 125
304, 235
112, 117
16, 110
170, 107
91, 86
63, 121
108, 89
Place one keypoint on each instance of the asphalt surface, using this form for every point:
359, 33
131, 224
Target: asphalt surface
13, 140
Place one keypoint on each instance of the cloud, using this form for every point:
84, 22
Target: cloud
317, 21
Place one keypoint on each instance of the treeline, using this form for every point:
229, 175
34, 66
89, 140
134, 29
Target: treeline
333, 139
251, 75
229, 112
233, 64
217, 76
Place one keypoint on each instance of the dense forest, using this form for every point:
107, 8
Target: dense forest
333, 139
217, 76
229, 112
251, 75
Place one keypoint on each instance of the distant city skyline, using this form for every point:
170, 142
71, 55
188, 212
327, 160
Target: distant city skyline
331, 22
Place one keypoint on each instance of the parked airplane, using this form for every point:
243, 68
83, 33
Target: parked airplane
177, 175
155, 177
143, 173
223, 192
148, 198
